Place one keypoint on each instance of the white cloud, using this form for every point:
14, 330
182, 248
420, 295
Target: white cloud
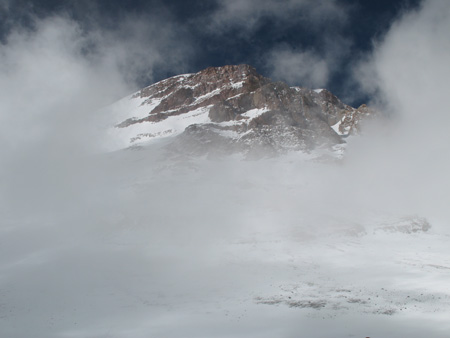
412, 63
52, 79
56, 192
48, 91
304, 68
409, 71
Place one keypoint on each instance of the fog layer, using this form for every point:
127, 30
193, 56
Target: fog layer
136, 243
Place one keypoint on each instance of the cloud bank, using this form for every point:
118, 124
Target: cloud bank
55, 72
408, 77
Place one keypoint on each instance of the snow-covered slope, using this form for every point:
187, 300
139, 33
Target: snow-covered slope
223, 248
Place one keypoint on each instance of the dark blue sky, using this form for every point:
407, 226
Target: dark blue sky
321, 41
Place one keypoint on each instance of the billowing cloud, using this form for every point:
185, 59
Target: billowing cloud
54, 74
48, 89
410, 63
56, 193
408, 77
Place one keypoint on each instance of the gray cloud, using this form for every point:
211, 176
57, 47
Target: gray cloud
4, 4
304, 68
308, 67
248, 14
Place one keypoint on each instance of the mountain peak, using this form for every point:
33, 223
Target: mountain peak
236, 109
231, 70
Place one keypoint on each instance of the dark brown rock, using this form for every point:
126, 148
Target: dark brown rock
287, 117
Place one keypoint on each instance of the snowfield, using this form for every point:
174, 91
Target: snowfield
226, 248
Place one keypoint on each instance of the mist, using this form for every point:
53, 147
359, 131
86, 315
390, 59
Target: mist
407, 75
138, 242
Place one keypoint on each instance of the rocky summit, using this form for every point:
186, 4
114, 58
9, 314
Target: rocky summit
231, 109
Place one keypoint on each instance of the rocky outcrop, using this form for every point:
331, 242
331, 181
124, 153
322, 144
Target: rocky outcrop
233, 108
352, 121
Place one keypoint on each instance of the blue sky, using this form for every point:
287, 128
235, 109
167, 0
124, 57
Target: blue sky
303, 42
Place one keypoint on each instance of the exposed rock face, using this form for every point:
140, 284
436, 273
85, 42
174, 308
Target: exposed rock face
351, 121
407, 225
233, 108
